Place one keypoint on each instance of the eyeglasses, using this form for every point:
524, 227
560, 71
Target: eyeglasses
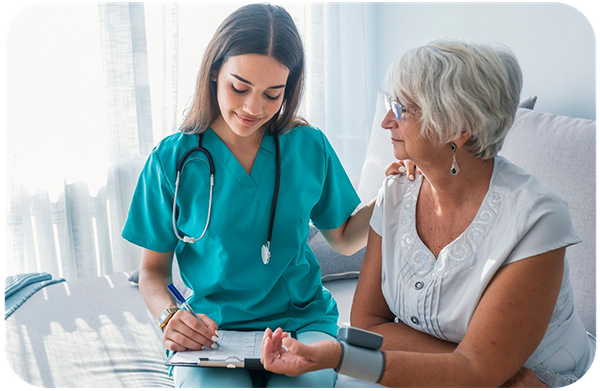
397, 108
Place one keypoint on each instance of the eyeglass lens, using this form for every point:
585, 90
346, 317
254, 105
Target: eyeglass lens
395, 106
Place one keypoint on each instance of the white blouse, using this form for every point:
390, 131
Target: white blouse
519, 217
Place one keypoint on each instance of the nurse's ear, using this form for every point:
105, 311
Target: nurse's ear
213, 76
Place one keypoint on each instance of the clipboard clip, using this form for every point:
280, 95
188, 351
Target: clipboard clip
231, 362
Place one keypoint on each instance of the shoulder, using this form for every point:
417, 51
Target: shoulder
395, 188
524, 189
309, 141
171, 148
305, 133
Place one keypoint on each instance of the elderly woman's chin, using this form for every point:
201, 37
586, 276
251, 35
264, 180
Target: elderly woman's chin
399, 150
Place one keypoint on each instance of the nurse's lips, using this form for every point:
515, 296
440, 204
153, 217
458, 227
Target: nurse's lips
248, 121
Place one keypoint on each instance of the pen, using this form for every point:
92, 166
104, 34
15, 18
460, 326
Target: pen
179, 297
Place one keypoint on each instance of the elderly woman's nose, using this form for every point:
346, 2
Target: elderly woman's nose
389, 121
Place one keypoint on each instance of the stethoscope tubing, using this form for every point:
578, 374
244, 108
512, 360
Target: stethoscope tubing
265, 250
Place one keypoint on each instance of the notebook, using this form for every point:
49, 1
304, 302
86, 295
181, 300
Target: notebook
239, 349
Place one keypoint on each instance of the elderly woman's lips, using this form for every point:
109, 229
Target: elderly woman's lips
395, 140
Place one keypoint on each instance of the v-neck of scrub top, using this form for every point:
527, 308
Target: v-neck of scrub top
248, 182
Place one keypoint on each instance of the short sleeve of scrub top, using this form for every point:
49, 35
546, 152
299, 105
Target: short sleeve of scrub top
337, 191
149, 220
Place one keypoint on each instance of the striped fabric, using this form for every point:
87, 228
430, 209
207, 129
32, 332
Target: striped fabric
20, 287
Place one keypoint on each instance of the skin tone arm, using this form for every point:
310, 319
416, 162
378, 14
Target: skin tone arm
507, 326
183, 331
352, 235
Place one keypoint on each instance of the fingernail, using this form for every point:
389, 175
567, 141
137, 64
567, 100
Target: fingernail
217, 333
411, 177
215, 339
402, 169
214, 346
285, 343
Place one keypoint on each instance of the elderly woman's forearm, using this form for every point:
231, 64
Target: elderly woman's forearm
398, 336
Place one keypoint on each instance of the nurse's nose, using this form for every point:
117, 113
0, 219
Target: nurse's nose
253, 105
389, 121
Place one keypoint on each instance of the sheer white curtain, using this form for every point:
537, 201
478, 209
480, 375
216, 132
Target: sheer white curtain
341, 48
79, 129
91, 89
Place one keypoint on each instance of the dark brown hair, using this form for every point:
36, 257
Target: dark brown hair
252, 29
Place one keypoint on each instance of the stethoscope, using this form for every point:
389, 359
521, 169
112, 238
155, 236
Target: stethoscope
265, 251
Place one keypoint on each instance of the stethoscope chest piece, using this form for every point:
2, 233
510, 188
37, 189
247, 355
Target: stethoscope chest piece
265, 254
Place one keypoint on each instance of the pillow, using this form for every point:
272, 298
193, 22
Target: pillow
335, 266
134, 277
379, 154
528, 103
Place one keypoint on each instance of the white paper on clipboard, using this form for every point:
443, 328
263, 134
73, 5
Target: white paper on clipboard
239, 349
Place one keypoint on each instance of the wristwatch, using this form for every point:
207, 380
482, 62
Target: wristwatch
165, 316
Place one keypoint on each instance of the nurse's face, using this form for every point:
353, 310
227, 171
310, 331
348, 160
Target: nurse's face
250, 91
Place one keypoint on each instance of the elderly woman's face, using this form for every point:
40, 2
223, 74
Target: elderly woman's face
407, 140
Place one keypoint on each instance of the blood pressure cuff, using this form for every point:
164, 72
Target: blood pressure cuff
361, 363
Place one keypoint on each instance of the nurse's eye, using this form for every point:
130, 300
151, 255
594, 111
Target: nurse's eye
238, 91
270, 97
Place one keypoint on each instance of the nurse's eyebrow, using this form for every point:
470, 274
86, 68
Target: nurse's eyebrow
247, 82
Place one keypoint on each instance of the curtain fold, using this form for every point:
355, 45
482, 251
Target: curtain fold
75, 232
70, 226
341, 76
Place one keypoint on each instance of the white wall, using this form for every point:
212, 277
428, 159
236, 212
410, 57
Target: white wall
554, 43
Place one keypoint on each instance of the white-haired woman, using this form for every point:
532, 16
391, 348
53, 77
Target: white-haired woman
465, 273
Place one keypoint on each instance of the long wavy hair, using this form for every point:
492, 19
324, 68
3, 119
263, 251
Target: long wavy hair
252, 29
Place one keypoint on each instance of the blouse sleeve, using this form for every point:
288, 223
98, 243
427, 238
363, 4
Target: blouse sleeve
149, 222
377, 216
544, 225
338, 198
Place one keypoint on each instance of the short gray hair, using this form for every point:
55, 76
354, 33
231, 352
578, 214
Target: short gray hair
458, 86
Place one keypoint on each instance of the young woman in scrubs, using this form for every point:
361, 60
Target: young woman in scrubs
248, 92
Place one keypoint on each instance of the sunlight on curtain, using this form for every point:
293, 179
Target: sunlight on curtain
56, 136
92, 88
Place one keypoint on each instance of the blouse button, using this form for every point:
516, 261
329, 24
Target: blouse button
419, 285
414, 319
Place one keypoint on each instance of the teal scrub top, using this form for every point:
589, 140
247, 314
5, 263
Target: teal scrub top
224, 269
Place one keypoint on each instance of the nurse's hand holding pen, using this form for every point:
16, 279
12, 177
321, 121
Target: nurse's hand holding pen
186, 332
189, 332
182, 331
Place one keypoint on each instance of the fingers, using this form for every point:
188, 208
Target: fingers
185, 332
394, 168
211, 325
402, 167
410, 169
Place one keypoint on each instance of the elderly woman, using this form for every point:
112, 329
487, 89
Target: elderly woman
465, 272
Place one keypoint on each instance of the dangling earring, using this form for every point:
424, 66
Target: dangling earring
454, 167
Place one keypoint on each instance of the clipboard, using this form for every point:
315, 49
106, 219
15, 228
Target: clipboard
239, 349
